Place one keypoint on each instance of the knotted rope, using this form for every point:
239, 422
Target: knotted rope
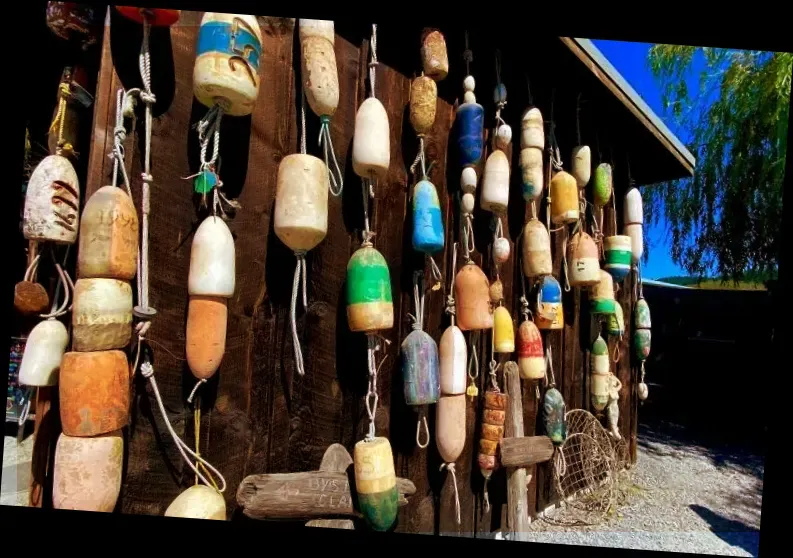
451, 468
63, 148
451, 307
371, 394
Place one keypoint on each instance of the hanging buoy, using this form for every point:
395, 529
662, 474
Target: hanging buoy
94, 392
427, 219
503, 331
52, 202
155, 16
632, 211
87, 472
495, 183
501, 250
603, 184
531, 358
582, 165
532, 133
371, 142
102, 315
531, 173
472, 293
549, 304
420, 368
616, 321
450, 426
634, 231
642, 326
537, 260
643, 391
601, 297
423, 100
453, 360
369, 300
618, 255
301, 201
320, 75
76, 22
198, 502
564, 199
212, 259
205, 338
471, 119
226, 70
44, 350
493, 417
30, 298
584, 270
434, 57
108, 236
599, 374
503, 136
553, 415
323, 28
375, 483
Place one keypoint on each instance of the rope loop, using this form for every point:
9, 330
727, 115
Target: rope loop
451, 468
422, 420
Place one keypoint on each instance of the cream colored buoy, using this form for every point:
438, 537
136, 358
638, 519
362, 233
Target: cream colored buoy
472, 294
564, 199
582, 165
320, 76
532, 133
453, 361
495, 183
371, 147
44, 350
52, 202
323, 28
212, 260
423, 101
584, 270
198, 502
301, 201
434, 57
450, 426
531, 173
102, 315
632, 210
205, 339
537, 259
636, 234
87, 472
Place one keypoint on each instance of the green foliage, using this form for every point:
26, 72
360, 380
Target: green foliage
727, 219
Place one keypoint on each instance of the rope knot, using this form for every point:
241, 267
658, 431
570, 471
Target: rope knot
325, 119
451, 307
147, 178
300, 254
147, 370
120, 134
148, 97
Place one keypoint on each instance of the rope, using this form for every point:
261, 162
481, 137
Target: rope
418, 301
451, 468
336, 179
549, 367
420, 158
302, 121
144, 62
559, 462
422, 420
300, 272
64, 93
371, 395
564, 262
451, 307
56, 311
198, 384
373, 62
497, 234
468, 236
435, 271
473, 363
494, 366
487, 497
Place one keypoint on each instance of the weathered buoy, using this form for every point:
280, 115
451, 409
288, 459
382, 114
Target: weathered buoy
427, 220
320, 75
30, 298
531, 358
582, 165
584, 269
472, 295
495, 183
496, 292
94, 392
212, 259
198, 502
503, 136
52, 202
423, 100
601, 296
554, 415
642, 326
531, 173
537, 260
156, 16
501, 250
471, 119
616, 321
301, 201
226, 70
371, 142
549, 304
87, 472
453, 361
450, 426
634, 231
493, 417
603, 184
564, 199
468, 181
375, 483
434, 58
323, 28
108, 236
101, 315
643, 391
44, 350
369, 300
599, 374
532, 133
632, 210
76, 22
420, 368
205, 339
503, 331
618, 255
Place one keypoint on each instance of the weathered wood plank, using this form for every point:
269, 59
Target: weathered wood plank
525, 451
517, 511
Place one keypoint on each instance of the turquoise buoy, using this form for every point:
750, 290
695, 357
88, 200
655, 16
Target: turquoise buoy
427, 221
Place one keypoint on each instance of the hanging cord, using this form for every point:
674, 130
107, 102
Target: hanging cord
56, 310
468, 56
421, 158
371, 395
494, 366
367, 185
326, 143
549, 368
473, 364
300, 272
451, 307
373, 61
451, 467
147, 179
63, 147
467, 235
564, 261
125, 105
578, 118
197, 430
418, 324
497, 234
614, 207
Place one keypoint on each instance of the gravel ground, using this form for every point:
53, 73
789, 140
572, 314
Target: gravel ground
685, 498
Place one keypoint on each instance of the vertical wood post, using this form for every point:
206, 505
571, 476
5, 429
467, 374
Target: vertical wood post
517, 505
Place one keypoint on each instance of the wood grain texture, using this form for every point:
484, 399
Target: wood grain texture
525, 451
517, 511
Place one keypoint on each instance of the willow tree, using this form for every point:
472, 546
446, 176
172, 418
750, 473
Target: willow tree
727, 218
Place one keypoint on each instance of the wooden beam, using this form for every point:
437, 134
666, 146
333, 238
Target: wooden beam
517, 512
522, 452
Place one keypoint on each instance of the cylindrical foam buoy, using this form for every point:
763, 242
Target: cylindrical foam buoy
503, 331
427, 219
531, 358
420, 368
375, 483
584, 269
636, 234
228, 55
323, 28
44, 350
87, 472
472, 295
582, 165
599, 374
564, 199
471, 118
618, 251
537, 260
601, 296
450, 426
495, 183
493, 417
641, 333
76, 22
370, 305
453, 361
52, 202
532, 133
212, 260
320, 75
301, 201
101, 315
501, 250
158, 17
616, 321
108, 236
205, 339
30, 298
434, 58
549, 304
554, 415
531, 173
496, 293
632, 210
371, 142
423, 101
198, 502
603, 184
94, 392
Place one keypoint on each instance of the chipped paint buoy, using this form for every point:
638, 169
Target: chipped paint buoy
584, 270
634, 231
52, 202
531, 173
370, 305
564, 199
301, 201
472, 295
532, 133
493, 417
102, 315
600, 374
495, 183
582, 165
642, 326
87, 472
423, 101
371, 142
205, 338
212, 260
420, 368
549, 304
601, 296
434, 58
554, 415
320, 75
427, 219
618, 255
30, 298
44, 350
471, 119
537, 259
616, 321
198, 502
632, 210
375, 483
453, 361
531, 357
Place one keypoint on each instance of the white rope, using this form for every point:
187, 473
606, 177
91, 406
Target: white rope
371, 394
468, 236
198, 384
451, 307
56, 311
487, 496
302, 121
421, 158
336, 178
300, 271
373, 62
451, 467
564, 262
473, 363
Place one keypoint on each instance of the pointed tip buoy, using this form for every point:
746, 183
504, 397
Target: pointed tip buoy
52, 202
212, 260
375, 483
370, 304
198, 502
472, 295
